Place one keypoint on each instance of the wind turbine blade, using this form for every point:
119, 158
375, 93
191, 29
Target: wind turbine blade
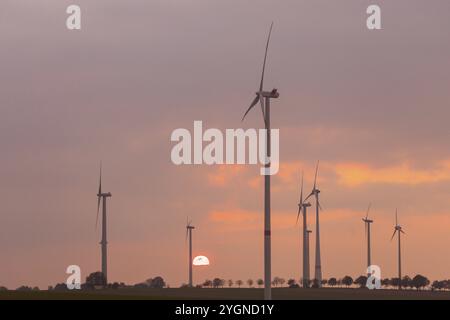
309, 196
320, 207
298, 214
99, 195
368, 209
254, 102
98, 211
402, 231
265, 59
261, 102
393, 235
315, 176
301, 191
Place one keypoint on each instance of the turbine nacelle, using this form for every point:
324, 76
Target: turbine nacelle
269, 94
306, 204
367, 220
106, 195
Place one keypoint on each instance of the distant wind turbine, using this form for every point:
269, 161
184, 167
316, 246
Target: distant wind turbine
399, 231
263, 97
367, 223
103, 196
189, 228
315, 192
302, 207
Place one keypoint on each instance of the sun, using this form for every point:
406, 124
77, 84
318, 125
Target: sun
200, 261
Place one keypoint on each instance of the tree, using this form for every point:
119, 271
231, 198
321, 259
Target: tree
407, 282
157, 282
207, 283
332, 282
95, 279
276, 281
385, 282
217, 282
260, 282
361, 281
347, 281
3, 288
419, 281
291, 282
250, 283
282, 281
239, 283
230, 283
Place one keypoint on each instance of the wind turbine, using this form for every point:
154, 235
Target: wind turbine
302, 207
367, 223
399, 231
103, 196
263, 97
318, 268
189, 229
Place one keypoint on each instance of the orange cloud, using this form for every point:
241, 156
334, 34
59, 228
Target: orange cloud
354, 174
238, 219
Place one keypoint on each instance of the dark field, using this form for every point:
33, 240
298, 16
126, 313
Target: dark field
228, 294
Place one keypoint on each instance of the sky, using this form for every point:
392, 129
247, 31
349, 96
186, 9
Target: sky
372, 106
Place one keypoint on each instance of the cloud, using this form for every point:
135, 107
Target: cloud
355, 174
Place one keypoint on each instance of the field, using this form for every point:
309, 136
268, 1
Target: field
228, 294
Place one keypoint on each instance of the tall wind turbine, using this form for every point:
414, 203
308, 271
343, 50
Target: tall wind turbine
103, 196
367, 223
189, 228
399, 231
315, 192
302, 207
263, 97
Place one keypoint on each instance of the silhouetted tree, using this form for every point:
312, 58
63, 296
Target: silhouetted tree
250, 283
361, 281
157, 282
217, 282
394, 282
239, 283
419, 281
95, 279
407, 282
386, 282
315, 283
207, 283
282, 281
291, 282
276, 281
324, 282
230, 283
347, 281
24, 288
332, 282
260, 282
439, 285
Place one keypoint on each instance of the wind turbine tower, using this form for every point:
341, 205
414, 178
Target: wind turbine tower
263, 97
302, 208
367, 223
189, 228
104, 243
399, 231
318, 268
